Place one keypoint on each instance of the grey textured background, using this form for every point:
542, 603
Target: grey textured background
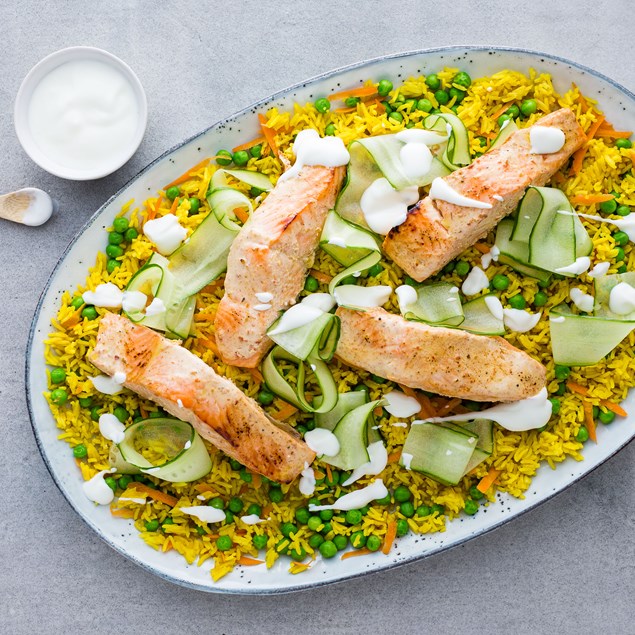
568, 567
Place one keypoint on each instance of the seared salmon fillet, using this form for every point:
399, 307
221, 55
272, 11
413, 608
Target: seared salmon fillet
270, 257
445, 361
436, 231
181, 383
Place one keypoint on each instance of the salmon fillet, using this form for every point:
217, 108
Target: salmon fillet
436, 231
445, 361
181, 383
272, 254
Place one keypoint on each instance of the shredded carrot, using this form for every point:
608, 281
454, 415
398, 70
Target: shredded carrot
122, 513
573, 387
449, 406
347, 109
72, 320
249, 144
381, 109
590, 199
204, 487
594, 127
256, 375
587, 406
210, 344
186, 176
143, 412
256, 480
558, 178
205, 316
488, 480
584, 106
363, 91
482, 247
155, 494
354, 554
213, 286
578, 155
393, 457
153, 212
318, 475
266, 511
285, 411
500, 111
175, 204
269, 134
246, 561
329, 474
605, 133
613, 407
242, 214
391, 533
167, 545
324, 278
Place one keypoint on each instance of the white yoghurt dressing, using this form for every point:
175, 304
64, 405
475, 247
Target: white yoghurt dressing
109, 385
491, 255
599, 270
622, 299
307, 481
377, 461
264, 296
416, 159
545, 140
384, 207
419, 136
303, 313
165, 232
156, 307
475, 282
582, 300
401, 405
558, 320
311, 149
133, 301
581, 265
262, 307
498, 197
363, 297
406, 295
97, 490
520, 321
627, 225
111, 428
106, 295
495, 307
358, 498
205, 513
406, 460
526, 414
40, 207
83, 115
322, 441
442, 191
252, 519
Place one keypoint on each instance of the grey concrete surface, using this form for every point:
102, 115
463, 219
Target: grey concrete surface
565, 568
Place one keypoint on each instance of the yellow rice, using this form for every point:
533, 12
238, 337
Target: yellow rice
517, 454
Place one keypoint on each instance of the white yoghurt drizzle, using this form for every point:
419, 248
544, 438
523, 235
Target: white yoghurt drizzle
40, 207
622, 299
165, 232
264, 296
545, 140
356, 499
495, 307
132, 499
156, 307
442, 191
401, 405
301, 314
377, 461
134, 301
262, 307
97, 490
582, 300
363, 297
252, 519
322, 441
491, 255
109, 385
526, 414
520, 321
581, 265
205, 513
307, 480
407, 296
311, 149
111, 428
384, 207
406, 460
627, 225
599, 270
417, 136
475, 282
106, 295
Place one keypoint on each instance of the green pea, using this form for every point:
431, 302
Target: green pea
528, 107
500, 282
541, 298
623, 210
255, 191
620, 255
256, 151
297, 554
229, 517
124, 481
596, 412
442, 97
173, 192
373, 543
310, 424
608, 207
217, 502
241, 158
462, 268
407, 509
606, 417
562, 388
246, 476
402, 527
112, 264
449, 268
462, 79
561, 372
152, 525
314, 523
201, 531
349, 280
224, 543
329, 131
424, 104
302, 515
121, 224
323, 105
471, 507
326, 514
311, 284
517, 302
340, 542
375, 270
411, 282
502, 119
58, 375
157, 414
457, 94
358, 539
438, 509
235, 505
224, 157
59, 396
259, 541
386, 500
265, 397
349, 102
387, 107
396, 116
377, 379
582, 435
353, 517
301, 430
235, 465
482, 141
326, 529
110, 481
364, 510
328, 549
621, 238
476, 493
400, 99
384, 87
543, 284
195, 205
115, 238
555, 405
80, 451
402, 494
433, 82
95, 413
77, 302
114, 251
287, 529
275, 495
623, 143
315, 541
513, 111
622, 269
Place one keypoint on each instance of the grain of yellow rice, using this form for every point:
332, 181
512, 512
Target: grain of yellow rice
517, 454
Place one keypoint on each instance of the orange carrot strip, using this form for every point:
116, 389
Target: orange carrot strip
209, 344
269, 135
578, 155
155, 494
613, 407
573, 387
558, 178
488, 480
203, 487
285, 411
186, 176
449, 406
205, 316
318, 475
72, 320
391, 533
363, 91
482, 247
256, 480
143, 411
153, 212
246, 561
321, 277
213, 286
249, 144
499, 112
343, 111
122, 513
329, 474
242, 215
354, 554
256, 375
175, 204
604, 133
589, 199
587, 406
393, 457
380, 107
594, 127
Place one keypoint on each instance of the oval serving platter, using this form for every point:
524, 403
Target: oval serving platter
619, 106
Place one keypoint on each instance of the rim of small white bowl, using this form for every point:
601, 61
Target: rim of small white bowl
35, 76
291, 588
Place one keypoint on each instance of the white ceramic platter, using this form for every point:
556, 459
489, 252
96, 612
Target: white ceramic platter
619, 106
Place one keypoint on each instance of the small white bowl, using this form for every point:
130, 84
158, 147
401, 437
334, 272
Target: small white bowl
25, 93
